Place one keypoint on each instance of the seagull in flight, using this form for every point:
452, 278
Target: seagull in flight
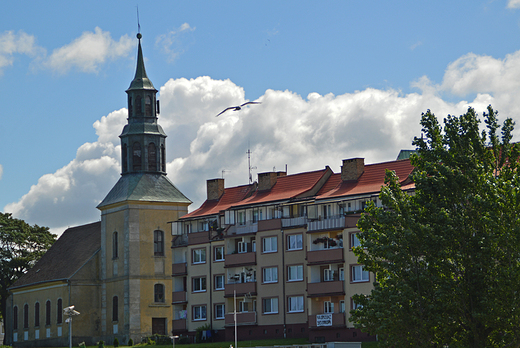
237, 108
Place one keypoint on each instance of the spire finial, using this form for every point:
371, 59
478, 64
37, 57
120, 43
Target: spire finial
139, 36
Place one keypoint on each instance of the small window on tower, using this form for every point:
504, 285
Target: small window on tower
152, 157
129, 106
138, 106
124, 158
136, 157
148, 106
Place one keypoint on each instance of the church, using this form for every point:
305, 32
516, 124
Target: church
116, 272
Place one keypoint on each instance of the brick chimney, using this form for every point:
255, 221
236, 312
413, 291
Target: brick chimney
352, 168
267, 180
214, 188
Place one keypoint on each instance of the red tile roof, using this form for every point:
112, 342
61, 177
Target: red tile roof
370, 181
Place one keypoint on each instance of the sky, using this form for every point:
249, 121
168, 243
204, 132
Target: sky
335, 79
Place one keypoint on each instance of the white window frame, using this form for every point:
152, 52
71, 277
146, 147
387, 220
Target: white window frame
243, 306
199, 256
270, 244
359, 275
295, 304
354, 240
199, 313
242, 247
295, 273
273, 304
221, 253
201, 282
328, 307
328, 275
270, 275
295, 242
220, 276
222, 309
342, 306
342, 274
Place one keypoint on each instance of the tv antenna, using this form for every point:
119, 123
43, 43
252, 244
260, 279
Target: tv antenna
249, 165
224, 171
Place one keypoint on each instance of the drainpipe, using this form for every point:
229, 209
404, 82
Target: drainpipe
283, 286
210, 260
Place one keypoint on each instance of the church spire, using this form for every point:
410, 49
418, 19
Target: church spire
141, 80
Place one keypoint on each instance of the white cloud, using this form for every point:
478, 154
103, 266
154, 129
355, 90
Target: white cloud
513, 4
12, 43
1, 171
169, 42
304, 133
89, 51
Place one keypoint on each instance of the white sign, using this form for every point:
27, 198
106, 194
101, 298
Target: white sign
324, 319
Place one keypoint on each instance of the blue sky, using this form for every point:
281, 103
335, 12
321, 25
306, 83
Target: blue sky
336, 79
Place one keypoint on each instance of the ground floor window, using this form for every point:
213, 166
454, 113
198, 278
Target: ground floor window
158, 326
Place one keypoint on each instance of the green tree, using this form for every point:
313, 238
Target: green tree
21, 245
447, 257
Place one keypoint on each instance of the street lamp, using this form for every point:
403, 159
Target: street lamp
173, 340
70, 312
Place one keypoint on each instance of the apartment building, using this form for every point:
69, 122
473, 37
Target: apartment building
278, 253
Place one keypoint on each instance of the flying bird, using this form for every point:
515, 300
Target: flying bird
237, 108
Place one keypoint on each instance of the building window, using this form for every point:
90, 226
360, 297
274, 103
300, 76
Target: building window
60, 311
241, 218
115, 308
295, 273
163, 158
148, 105
114, 245
15, 318
199, 284
295, 304
136, 157
199, 312
219, 282
26, 316
341, 274
342, 306
219, 253
354, 240
219, 311
159, 293
359, 274
48, 313
124, 158
37, 314
129, 106
328, 275
270, 275
295, 242
158, 243
269, 244
199, 255
152, 157
270, 305
354, 305
328, 307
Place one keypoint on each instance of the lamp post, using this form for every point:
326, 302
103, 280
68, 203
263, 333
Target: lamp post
69, 311
173, 340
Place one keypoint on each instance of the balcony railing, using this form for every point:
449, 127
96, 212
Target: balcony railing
179, 269
338, 319
292, 222
179, 325
248, 227
271, 224
325, 256
325, 288
240, 259
327, 224
241, 289
179, 296
243, 318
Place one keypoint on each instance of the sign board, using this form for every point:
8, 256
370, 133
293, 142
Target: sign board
324, 319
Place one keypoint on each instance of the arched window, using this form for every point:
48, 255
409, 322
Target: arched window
124, 158
115, 308
129, 106
26, 316
158, 243
136, 157
48, 313
152, 158
138, 106
37, 314
159, 293
148, 106
114, 246
163, 158
60, 312
15, 318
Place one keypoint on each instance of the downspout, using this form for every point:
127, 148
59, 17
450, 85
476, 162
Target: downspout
283, 286
210, 260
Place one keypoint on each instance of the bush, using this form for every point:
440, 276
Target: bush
184, 340
116, 342
101, 344
130, 342
198, 334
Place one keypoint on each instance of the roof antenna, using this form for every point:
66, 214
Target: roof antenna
249, 165
224, 171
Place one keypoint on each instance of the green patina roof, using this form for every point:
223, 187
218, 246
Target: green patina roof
143, 128
140, 81
144, 187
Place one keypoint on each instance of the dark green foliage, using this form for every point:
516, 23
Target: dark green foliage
447, 259
21, 245
198, 333
116, 342
101, 344
130, 342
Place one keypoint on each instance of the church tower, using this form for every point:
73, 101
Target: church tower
135, 262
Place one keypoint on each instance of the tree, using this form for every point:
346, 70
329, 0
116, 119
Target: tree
447, 256
21, 245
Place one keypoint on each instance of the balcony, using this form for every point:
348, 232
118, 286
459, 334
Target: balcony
248, 227
351, 220
271, 224
243, 318
240, 259
338, 320
334, 255
294, 222
325, 289
179, 325
179, 269
336, 222
179, 297
241, 289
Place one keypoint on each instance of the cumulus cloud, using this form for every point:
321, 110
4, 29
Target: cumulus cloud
169, 42
286, 129
88, 52
12, 43
513, 4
